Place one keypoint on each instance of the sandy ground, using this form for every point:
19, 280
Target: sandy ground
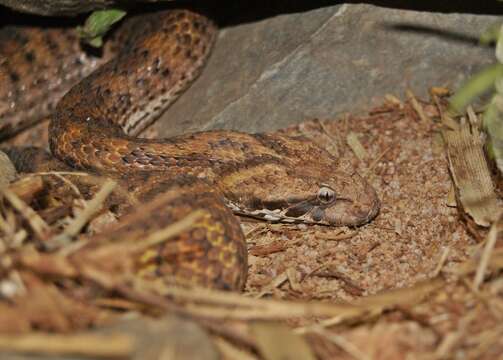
406, 164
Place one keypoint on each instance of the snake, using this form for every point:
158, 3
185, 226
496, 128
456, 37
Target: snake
99, 107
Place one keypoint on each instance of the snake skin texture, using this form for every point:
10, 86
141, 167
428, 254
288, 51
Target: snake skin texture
269, 176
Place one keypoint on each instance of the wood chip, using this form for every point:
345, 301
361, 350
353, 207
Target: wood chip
356, 146
471, 174
264, 250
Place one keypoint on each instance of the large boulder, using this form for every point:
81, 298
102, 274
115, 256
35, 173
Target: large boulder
282, 69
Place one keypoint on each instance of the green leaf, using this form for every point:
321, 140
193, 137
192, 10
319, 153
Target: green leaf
493, 123
476, 86
97, 25
499, 46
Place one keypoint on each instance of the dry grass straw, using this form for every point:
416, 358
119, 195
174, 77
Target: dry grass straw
356, 146
230, 351
342, 342
91, 208
417, 107
171, 230
492, 236
38, 225
214, 304
90, 345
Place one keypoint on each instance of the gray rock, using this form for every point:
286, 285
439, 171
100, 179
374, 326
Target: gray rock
283, 69
61, 7
285, 62
54, 7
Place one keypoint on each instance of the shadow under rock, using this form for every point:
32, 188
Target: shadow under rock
448, 35
231, 12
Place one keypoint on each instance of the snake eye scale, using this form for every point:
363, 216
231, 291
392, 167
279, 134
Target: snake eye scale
107, 102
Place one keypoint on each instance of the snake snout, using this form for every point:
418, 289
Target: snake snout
359, 205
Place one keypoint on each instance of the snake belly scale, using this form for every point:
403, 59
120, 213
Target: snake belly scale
270, 176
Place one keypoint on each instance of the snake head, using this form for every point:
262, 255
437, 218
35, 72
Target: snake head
348, 201
295, 180
298, 195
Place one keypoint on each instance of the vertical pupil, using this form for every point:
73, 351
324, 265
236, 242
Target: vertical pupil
326, 195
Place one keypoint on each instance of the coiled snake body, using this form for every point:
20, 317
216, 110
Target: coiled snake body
94, 127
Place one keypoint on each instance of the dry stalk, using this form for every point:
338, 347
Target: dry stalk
105, 346
356, 146
344, 344
452, 339
417, 107
230, 351
213, 304
72, 186
495, 262
484, 341
342, 235
93, 206
492, 236
376, 161
39, 226
275, 283
26, 188
170, 231
325, 323
441, 262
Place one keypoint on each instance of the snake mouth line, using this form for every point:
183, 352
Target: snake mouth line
275, 219
277, 216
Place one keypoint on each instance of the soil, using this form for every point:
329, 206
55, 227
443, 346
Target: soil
407, 166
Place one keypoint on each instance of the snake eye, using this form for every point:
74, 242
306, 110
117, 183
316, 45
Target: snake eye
326, 195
